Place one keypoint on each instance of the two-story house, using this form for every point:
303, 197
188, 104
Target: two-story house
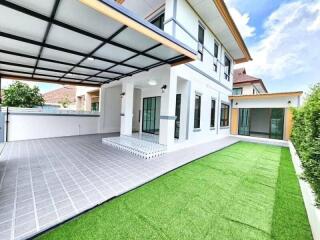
186, 103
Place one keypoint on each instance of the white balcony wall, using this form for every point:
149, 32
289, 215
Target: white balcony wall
31, 124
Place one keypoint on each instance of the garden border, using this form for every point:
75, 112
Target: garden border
308, 195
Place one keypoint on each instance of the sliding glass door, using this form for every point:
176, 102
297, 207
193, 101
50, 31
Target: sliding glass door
244, 121
276, 123
151, 115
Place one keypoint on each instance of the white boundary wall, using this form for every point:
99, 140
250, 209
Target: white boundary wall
307, 194
27, 124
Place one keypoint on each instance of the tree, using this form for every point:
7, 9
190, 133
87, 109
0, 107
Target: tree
22, 95
65, 102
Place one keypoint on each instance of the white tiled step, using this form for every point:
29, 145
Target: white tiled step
141, 148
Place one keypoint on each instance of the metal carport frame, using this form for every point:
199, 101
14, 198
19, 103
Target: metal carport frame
87, 42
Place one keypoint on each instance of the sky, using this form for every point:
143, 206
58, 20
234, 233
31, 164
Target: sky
283, 38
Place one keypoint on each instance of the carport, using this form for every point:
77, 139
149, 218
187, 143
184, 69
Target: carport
87, 42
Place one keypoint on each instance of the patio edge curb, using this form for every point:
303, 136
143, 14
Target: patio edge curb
46, 230
308, 195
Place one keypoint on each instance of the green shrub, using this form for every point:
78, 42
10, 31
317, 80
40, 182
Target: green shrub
306, 137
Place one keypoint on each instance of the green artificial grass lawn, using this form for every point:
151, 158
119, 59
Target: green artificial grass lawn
245, 191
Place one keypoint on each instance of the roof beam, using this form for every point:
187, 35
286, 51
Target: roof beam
97, 48
61, 49
44, 75
15, 77
53, 14
58, 62
48, 69
107, 69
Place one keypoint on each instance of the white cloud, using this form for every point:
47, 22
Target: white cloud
241, 20
289, 48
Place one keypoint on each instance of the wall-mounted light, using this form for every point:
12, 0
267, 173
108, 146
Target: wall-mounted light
236, 103
122, 94
163, 88
289, 102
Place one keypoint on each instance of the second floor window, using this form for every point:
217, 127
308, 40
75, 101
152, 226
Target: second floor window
237, 91
159, 21
227, 68
213, 113
200, 41
224, 117
215, 57
197, 111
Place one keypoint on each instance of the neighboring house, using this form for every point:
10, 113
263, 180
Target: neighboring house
257, 113
64, 97
244, 84
87, 99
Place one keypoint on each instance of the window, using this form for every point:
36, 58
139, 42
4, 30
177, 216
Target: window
197, 111
213, 113
237, 91
159, 21
224, 117
95, 107
200, 41
227, 68
215, 57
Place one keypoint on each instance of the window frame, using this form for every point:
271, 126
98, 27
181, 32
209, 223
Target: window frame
215, 56
224, 115
237, 88
201, 43
227, 74
197, 112
213, 113
160, 17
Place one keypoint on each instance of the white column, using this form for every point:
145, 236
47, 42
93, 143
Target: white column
167, 111
127, 108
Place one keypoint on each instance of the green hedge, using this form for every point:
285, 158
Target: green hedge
306, 137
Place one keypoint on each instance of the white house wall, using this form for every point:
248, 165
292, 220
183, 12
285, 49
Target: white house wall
110, 109
270, 102
184, 27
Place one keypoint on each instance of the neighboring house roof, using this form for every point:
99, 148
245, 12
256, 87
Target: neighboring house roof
240, 76
58, 95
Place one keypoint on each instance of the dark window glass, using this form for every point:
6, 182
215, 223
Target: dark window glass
237, 91
159, 21
200, 41
224, 117
213, 112
197, 111
95, 107
227, 68
215, 59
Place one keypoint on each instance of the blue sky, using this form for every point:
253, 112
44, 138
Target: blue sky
283, 38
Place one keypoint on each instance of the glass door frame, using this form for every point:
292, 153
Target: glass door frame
150, 129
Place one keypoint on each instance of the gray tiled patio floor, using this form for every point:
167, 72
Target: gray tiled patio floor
44, 182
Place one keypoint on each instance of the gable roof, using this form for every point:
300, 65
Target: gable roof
240, 76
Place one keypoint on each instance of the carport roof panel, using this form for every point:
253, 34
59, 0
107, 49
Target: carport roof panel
72, 42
